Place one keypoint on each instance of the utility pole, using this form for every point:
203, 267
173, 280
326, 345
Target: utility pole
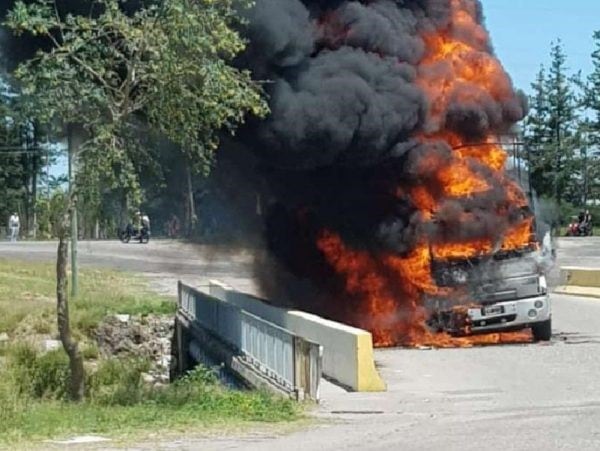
73, 145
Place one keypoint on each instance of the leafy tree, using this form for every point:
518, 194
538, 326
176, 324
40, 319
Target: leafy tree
21, 158
113, 75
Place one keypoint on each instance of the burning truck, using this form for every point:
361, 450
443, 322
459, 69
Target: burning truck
390, 205
504, 290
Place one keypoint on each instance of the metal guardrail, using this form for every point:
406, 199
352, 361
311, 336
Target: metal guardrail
294, 363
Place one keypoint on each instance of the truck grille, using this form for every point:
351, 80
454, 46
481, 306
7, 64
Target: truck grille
495, 321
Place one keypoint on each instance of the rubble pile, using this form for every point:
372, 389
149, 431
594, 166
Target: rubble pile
146, 337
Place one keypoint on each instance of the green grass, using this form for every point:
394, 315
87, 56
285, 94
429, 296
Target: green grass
33, 388
28, 290
126, 408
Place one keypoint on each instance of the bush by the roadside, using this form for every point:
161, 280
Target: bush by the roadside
38, 376
118, 401
118, 382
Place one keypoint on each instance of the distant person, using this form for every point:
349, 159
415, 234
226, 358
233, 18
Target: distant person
174, 226
134, 225
145, 222
14, 224
587, 222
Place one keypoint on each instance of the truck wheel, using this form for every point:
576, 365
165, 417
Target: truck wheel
542, 331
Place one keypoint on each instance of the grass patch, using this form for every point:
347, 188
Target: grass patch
118, 403
28, 290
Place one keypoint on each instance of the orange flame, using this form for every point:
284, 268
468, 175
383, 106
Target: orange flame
458, 66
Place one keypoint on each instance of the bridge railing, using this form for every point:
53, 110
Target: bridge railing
291, 362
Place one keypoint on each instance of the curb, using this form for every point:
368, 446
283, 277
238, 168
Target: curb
585, 292
579, 281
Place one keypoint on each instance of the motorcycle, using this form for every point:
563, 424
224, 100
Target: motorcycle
142, 235
577, 228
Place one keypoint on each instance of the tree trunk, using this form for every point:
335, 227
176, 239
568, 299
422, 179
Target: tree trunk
34, 182
76, 137
71, 347
585, 178
37, 160
191, 217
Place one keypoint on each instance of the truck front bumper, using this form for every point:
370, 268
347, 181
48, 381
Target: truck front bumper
510, 315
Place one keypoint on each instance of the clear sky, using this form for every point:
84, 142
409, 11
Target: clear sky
522, 30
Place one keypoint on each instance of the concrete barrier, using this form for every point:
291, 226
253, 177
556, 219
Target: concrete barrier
579, 281
347, 351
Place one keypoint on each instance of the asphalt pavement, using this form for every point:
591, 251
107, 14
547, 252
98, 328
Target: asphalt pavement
542, 396
163, 262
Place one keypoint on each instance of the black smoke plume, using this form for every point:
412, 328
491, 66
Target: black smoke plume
347, 111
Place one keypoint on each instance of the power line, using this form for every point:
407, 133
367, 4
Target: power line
14, 150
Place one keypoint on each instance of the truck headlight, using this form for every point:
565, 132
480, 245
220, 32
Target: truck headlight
542, 285
532, 313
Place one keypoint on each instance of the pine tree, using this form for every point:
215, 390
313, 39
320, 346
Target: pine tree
538, 135
551, 126
562, 121
592, 91
592, 123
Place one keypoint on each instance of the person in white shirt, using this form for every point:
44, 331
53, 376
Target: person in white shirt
145, 222
14, 224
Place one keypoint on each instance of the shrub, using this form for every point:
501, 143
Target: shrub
118, 382
39, 375
90, 351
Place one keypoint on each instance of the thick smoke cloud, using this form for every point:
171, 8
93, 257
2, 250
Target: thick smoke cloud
342, 75
345, 106
345, 81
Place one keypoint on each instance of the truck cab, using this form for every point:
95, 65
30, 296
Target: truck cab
500, 293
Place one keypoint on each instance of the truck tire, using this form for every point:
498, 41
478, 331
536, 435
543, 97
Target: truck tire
542, 331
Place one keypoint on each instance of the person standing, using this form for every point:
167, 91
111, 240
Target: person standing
145, 222
587, 223
174, 226
14, 224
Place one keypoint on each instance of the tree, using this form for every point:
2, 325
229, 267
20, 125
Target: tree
550, 128
591, 102
112, 75
562, 120
537, 135
21, 157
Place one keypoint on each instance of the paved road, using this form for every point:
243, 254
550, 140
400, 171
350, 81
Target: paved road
162, 261
528, 397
